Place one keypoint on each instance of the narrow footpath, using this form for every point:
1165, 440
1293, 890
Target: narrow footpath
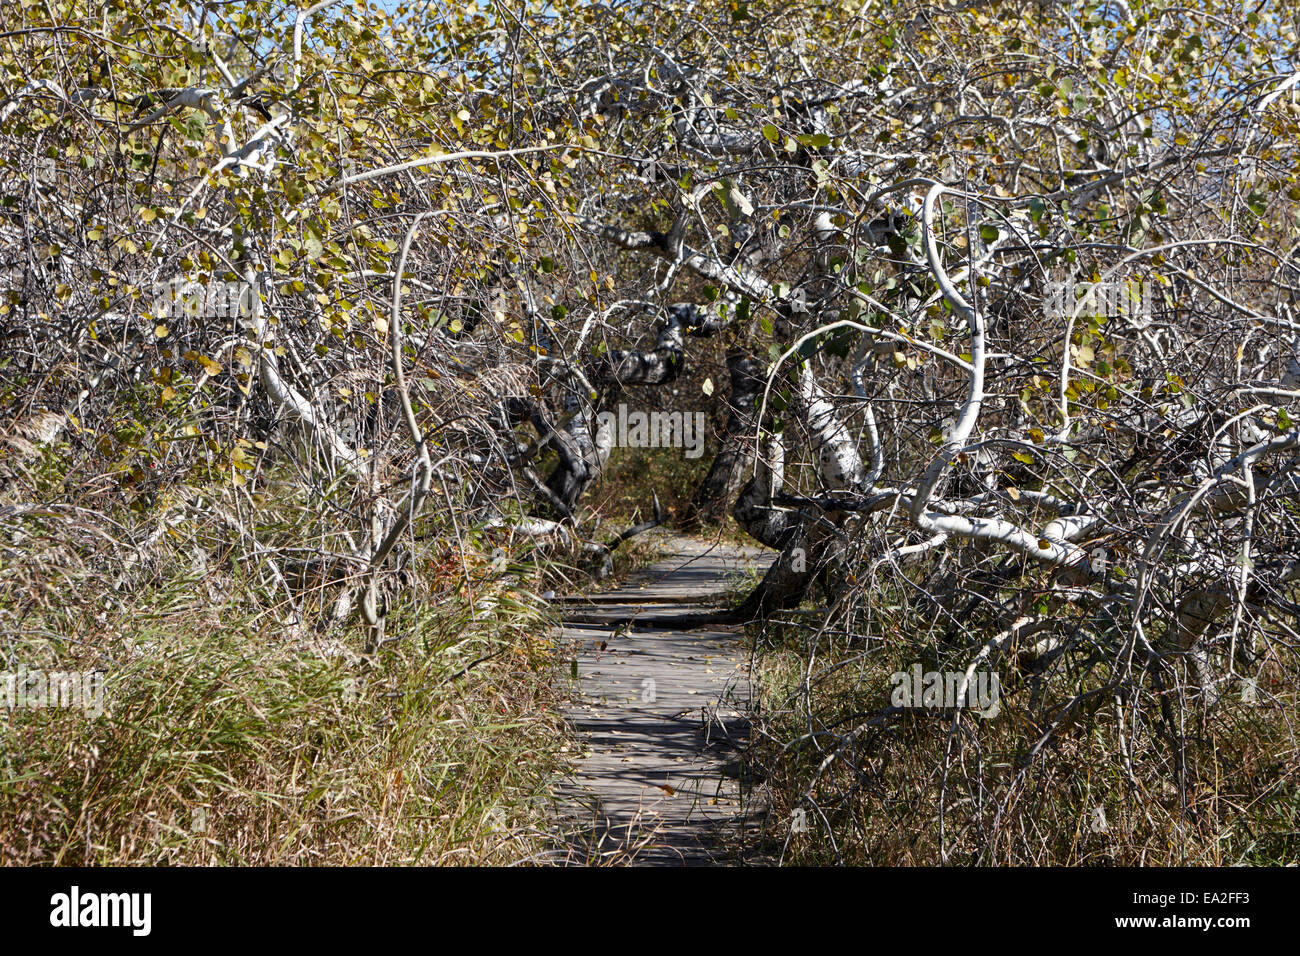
659, 701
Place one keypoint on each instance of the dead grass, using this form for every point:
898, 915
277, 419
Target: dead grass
239, 726
848, 781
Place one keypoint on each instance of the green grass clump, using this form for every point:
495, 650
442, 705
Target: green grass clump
240, 726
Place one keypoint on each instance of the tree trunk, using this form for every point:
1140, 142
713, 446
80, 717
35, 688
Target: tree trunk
809, 551
726, 475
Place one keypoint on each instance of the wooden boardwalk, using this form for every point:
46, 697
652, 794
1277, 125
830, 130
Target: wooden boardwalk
659, 711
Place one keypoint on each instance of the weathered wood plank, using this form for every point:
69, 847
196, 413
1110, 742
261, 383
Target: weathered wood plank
659, 711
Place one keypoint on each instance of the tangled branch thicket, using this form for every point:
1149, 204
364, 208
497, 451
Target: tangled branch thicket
324, 304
